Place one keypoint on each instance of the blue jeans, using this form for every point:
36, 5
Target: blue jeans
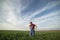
32, 32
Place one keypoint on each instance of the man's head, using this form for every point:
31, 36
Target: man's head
30, 22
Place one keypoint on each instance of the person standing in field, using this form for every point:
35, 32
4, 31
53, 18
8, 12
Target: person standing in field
32, 27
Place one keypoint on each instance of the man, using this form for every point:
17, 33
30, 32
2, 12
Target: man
32, 27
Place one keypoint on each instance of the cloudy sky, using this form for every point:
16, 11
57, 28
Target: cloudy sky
16, 14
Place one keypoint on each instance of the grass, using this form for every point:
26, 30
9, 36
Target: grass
24, 35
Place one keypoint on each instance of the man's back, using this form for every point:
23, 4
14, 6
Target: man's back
32, 26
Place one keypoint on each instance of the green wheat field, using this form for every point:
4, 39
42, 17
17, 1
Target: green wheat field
24, 35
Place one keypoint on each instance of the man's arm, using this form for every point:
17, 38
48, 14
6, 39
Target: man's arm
36, 26
29, 26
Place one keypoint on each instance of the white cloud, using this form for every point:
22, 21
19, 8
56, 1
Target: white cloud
48, 6
13, 22
25, 3
46, 17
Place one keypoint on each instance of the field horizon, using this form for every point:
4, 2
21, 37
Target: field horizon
29, 30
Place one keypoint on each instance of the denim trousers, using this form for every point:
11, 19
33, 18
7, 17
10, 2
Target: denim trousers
32, 32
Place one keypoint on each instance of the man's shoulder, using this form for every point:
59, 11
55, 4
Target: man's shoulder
34, 24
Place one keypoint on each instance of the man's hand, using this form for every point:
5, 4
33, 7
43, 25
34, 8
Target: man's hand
35, 27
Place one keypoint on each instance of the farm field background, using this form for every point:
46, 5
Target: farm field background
24, 35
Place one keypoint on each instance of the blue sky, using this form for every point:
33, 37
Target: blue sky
16, 14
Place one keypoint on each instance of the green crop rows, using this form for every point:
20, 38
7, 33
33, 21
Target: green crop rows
24, 35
